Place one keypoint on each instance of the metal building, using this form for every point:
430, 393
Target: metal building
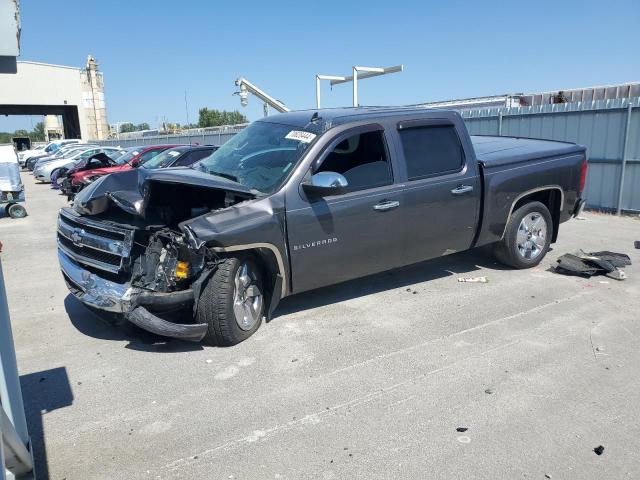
573, 95
76, 94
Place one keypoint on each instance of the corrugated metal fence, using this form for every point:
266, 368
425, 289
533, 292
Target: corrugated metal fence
610, 129
205, 137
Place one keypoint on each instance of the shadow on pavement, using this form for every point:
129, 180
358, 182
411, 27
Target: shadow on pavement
107, 326
43, 392
462, 263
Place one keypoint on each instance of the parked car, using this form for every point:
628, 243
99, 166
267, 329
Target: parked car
302, 200
62, 179
99, 160
136, 157
181, 156
43, 171
50, 147
34, 160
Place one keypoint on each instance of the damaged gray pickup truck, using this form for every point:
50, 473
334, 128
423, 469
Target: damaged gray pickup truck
301, 200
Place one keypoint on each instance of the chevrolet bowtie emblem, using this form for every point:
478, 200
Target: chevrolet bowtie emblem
76, 236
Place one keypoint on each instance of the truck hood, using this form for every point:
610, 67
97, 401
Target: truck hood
130, 190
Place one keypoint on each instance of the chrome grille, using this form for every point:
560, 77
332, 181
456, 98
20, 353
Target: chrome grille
92, 243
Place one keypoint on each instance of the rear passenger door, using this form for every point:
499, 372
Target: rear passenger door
442, 192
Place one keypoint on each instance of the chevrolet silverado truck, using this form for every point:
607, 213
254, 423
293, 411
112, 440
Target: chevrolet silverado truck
301, 200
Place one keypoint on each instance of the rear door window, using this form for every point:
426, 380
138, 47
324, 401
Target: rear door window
431, 151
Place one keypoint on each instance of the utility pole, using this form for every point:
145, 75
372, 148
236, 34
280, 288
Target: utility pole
186, 107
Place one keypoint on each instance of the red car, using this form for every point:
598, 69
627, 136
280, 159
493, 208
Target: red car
134, 157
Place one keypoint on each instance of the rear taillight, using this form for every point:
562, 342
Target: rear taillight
583, 176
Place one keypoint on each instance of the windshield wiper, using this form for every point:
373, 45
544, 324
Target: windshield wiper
224, 175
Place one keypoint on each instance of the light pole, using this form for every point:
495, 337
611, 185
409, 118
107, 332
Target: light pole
367, 72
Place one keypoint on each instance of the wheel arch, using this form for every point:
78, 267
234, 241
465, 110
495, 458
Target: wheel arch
271, 260
552, 196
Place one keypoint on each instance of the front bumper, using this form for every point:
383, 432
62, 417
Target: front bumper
93, 290
132, 303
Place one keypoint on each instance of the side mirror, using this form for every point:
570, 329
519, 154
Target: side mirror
326, 183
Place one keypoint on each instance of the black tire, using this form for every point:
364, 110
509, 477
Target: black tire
215, 305
55, 170
507, 251
15, 210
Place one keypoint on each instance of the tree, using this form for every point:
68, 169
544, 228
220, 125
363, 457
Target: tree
127, 127
37, 135
38, 132
215, 118
143, 126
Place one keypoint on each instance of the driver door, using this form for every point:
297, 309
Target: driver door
340, 237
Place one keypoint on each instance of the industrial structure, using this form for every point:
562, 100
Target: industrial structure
358, 73
509, 100
76, 94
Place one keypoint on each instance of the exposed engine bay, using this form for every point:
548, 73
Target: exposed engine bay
131, 234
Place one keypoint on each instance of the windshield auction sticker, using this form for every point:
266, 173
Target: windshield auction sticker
300, 136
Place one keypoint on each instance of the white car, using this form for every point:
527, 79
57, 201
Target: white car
49, 148
43, 172
67, 151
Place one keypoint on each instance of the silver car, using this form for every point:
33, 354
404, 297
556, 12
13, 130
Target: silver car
43, 172
64, 152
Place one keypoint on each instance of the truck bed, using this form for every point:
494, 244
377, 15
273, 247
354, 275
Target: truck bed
493, 151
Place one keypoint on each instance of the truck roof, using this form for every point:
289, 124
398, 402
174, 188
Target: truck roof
494, 151
342, 115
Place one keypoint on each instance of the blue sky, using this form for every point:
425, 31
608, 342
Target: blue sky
151, 52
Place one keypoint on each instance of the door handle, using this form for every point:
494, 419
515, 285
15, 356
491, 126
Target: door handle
462, 189
386, 205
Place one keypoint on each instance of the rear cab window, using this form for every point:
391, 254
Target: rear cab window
431, 150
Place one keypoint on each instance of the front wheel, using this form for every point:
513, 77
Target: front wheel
232, 301
527, 236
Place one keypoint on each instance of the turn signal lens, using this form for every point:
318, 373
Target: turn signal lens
182, 270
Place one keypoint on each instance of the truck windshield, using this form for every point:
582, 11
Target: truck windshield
259, 157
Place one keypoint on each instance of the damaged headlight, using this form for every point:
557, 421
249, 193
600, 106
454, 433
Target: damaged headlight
168, 262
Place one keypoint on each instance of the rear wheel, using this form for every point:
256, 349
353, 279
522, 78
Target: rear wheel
232, 301
15, 210
527, 236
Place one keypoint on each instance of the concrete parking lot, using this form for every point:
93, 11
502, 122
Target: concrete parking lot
369, 379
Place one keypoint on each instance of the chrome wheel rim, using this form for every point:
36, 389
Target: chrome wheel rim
532, 235
247, 298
